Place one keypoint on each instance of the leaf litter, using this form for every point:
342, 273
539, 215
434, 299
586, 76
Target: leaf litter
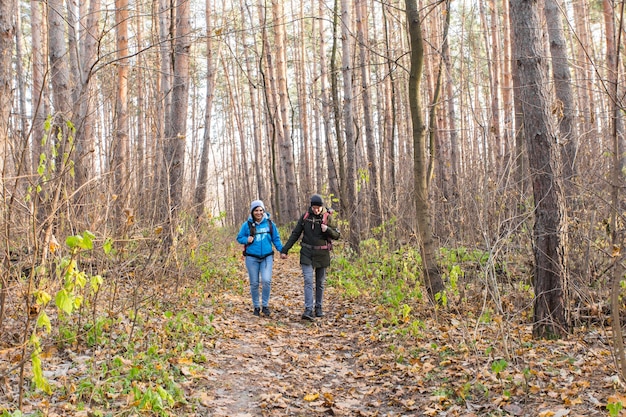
352, 362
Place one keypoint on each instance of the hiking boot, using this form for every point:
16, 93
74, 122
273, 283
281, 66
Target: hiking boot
257, 311
319, 312
266, 311
308, 314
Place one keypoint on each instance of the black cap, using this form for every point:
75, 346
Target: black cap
316, 200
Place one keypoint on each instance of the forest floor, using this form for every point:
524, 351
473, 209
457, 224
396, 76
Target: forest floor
348, 363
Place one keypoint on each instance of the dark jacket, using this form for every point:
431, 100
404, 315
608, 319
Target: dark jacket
313, 239
261, 247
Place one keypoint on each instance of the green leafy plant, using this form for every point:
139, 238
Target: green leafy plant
614, 408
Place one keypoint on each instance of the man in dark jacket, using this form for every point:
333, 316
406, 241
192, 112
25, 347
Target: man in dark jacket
317, 229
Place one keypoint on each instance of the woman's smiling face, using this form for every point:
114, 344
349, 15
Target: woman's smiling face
257, 213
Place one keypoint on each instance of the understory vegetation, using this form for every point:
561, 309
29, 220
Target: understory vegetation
108, 329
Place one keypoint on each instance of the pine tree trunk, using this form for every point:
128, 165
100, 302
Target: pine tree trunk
565, 110
286, 148
175, 149
120, 148
375, 211
348, 123
550, 279
336, 106
331, 157
200, 194
84, 114
164, 112
37, 92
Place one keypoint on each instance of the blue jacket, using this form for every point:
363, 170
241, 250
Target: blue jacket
263, 239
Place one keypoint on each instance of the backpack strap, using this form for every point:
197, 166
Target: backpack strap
329, 242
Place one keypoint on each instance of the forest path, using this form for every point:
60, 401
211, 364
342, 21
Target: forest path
284, 366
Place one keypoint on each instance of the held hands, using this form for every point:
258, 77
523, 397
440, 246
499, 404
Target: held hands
283, 256
324, 227
250, 239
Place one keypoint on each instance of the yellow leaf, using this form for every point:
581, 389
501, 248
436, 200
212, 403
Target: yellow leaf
616, 251
54, 244
546, 413
311, 397
572, 401
130, 217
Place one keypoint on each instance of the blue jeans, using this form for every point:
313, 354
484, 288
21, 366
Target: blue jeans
260, 268
320, 283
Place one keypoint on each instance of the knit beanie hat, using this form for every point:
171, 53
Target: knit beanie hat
316, 200
255, 204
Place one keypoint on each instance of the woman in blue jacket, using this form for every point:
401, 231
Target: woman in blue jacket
258, 234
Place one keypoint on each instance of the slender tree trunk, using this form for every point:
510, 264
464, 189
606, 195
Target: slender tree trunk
164, 113
7, 42
243, 161
23, 159
307, 171
550, 278
565, 110
616, 106
286, 147
140, 170
432, 275
584, 71
273, 124
390, 113
7, 37
203, 174
436, 156
38, 69
83, 99
507, 84
451, 116
520, 157
331, 160
73, 22
261, 154
336, 106
59, 66
348, 119
175, 153
60, 131
120, 148
613, 65
376, 210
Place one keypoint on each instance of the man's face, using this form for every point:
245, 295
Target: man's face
316, 209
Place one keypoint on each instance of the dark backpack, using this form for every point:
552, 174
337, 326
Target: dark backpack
252, 227
329, 241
